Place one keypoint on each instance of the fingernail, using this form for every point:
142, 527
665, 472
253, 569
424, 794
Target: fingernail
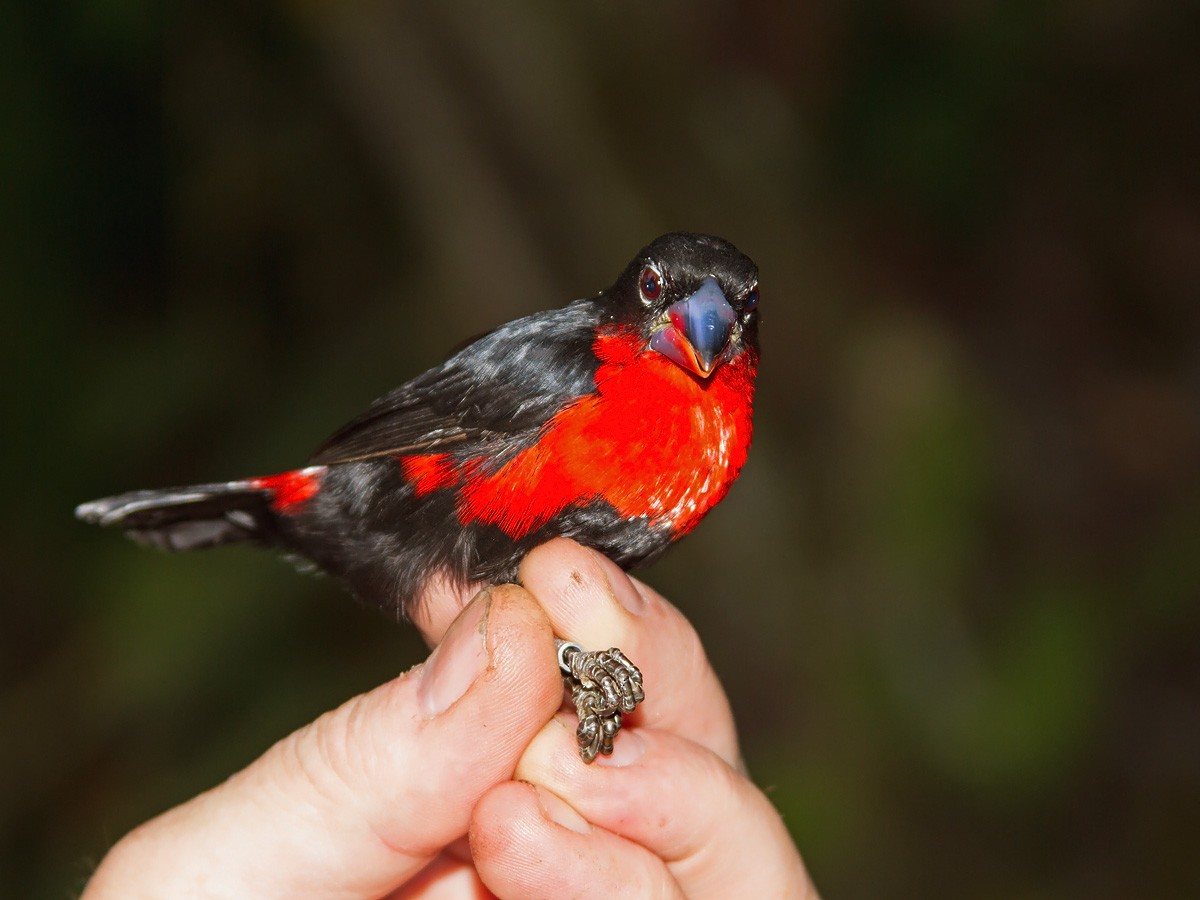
628, 748
557, 810
621, 587
453, 667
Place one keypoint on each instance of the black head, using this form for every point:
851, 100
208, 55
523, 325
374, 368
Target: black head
693, 297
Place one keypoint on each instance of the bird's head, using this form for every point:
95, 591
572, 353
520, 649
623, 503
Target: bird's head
692, 298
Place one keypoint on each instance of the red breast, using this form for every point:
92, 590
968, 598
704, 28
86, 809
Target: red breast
653, 441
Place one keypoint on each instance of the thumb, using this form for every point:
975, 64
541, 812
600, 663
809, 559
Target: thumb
360, 800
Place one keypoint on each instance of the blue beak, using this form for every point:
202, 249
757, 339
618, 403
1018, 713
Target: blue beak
698, 333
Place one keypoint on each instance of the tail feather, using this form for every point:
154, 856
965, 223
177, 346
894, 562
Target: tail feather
187, 518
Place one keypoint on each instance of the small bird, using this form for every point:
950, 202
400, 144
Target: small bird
617, 420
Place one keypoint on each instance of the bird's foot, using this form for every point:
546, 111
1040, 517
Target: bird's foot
603, 685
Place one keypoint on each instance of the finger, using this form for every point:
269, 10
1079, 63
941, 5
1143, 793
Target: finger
439, 604
367, 795
591, 601
450, 876
446, 877
528, 843
718, 834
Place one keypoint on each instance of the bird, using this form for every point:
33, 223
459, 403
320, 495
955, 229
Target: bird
618, 420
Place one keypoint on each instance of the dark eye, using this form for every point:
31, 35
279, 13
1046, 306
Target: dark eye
751, 303
651, 284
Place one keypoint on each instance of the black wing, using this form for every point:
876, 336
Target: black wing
508, 381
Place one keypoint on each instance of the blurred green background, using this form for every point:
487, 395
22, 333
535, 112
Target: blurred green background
956, 595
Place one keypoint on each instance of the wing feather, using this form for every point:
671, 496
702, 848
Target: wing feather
507, 382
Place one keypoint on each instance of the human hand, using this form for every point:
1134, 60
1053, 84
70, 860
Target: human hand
671, 813
372, 798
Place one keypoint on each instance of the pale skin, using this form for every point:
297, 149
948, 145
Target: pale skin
461, 776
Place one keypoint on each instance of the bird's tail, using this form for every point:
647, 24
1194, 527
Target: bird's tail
204, 515
186, 518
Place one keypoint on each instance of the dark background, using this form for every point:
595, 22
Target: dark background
956, 595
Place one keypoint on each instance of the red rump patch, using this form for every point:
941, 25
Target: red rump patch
289, 489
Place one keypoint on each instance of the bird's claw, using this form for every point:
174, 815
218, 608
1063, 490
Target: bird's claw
604, 684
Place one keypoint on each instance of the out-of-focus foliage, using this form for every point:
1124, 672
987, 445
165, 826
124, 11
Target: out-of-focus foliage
956, 595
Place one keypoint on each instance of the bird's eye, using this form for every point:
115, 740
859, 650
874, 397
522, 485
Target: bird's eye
751, 303
650, 284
